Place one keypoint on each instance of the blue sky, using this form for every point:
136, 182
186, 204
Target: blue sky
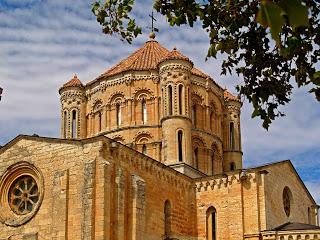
42, 43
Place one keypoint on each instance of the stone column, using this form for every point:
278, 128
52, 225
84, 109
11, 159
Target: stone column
130, 110
108, 117
207, 119
156, 109
134, 102
88, 197
60, 205
92, 124
120, 195
89, 125
138, 207
104, 118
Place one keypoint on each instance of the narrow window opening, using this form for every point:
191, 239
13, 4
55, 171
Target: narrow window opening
144, 111
211, 224
167, 219
74, 124
180, 149
144, 149
309, 216
65, 124
232, 135
232, 166
170, 99
118, 113
196, 157
194, 115
180, 98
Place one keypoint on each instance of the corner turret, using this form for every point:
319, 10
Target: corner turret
175, 82
73, 108
232, 133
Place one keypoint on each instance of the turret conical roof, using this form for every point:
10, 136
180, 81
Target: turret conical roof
74, 82
175, 55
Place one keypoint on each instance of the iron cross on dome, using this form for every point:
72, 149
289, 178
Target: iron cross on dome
153, 29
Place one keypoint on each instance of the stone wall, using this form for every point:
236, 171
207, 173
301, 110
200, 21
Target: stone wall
280, 176
98, 190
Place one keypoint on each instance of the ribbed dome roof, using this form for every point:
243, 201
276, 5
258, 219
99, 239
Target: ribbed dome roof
147, 58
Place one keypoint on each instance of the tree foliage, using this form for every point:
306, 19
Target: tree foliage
270, 43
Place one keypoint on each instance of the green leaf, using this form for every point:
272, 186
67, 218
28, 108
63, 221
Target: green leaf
255, 113
296, 12
316, 78
271, 15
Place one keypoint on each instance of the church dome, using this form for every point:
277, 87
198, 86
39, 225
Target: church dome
147, 58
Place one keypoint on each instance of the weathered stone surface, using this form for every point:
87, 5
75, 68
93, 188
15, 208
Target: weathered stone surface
95, 191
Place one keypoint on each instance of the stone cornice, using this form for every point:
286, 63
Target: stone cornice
223, 181
72, 95
126, 79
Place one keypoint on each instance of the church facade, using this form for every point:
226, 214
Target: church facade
150, 149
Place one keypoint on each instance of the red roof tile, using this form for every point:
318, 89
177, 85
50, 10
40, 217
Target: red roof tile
147, 58
74, 82
175, 55
228, 96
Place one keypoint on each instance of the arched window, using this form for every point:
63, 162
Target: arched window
144, 149
74, 124
144, 111
99, 121
194, 115
232, 135
65, 119
170, 99
118, 114
180, 97
180, 148
167, 219
196, 157
211, 224
232, 166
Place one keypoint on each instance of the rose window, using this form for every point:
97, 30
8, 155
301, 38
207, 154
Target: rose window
287, 199
23, 195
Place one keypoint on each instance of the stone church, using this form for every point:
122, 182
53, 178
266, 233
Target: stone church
149, 150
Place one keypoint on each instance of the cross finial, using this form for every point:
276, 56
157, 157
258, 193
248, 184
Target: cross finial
153, 29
